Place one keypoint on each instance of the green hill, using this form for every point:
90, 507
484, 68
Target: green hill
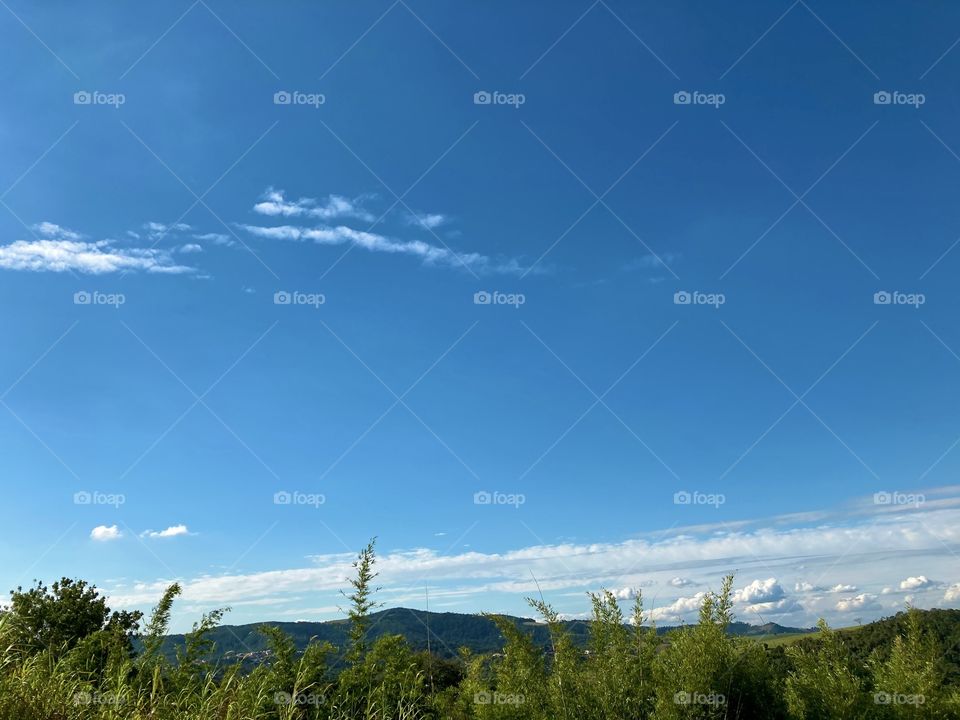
447, 633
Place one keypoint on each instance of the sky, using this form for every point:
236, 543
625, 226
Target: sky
620, 295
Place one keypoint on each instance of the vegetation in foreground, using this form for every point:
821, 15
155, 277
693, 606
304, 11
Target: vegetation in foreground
66, 655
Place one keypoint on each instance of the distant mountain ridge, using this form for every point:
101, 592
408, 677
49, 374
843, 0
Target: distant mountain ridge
447, 632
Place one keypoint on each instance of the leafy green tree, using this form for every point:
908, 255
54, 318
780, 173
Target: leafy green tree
57, 618
824, 683
692, 673
909, 683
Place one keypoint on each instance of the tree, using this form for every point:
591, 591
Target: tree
823, 683
361, 602
57, 618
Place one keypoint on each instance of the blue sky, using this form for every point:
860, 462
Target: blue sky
161, 202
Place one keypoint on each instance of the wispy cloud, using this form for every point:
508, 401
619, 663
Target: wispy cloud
275, 203
172, 531
62, 250
838, 557
375, 242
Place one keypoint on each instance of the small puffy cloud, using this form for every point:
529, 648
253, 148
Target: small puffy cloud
172, 531
804, 587
427, 220
191, 248
953, 593
104, 533
679, 609
274, 204
920, 582
681, 582
760, 591
841, 588
863, 601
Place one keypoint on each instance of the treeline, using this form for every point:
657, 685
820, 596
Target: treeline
66, 656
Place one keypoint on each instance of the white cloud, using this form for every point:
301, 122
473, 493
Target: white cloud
953, 593
191, 248
172, 531
760, 591
62, 250
863, 601
427, 220
52, 230
274, 204
104, 533
679, 582
841, 588
157, 231
680, 609
920, 582
215, 238
885, 547
374, 242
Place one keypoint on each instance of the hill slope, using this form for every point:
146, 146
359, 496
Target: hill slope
447, 632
